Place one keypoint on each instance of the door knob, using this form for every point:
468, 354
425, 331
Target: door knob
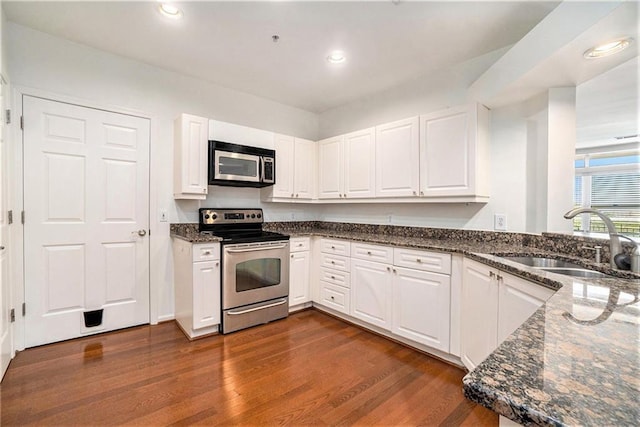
142, 233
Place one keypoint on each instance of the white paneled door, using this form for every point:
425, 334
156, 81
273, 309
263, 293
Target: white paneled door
6, 331
86, 202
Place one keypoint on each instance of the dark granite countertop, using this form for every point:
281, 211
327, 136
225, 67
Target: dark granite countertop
576, 361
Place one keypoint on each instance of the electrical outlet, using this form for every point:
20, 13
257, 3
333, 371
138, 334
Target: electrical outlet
500, 222
163, 216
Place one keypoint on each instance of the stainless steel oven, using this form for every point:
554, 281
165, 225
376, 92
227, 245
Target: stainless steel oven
255, 267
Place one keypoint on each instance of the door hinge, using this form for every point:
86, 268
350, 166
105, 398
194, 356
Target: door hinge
7, 116
10, 217
24, 309
22, 217
12, 315
22, 122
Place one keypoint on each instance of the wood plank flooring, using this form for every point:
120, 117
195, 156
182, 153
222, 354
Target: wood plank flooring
308, 369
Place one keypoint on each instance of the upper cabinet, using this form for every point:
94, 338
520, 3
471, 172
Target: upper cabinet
454, 158
190, 157
347, 166
295, 169
398, 159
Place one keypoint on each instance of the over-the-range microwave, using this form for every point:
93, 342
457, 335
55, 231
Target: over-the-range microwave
241, 165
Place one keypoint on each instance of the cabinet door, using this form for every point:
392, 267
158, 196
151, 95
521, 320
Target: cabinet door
299, 278
479, 323
285, 164
190, 157
421, 302
448, 152
305, 169
371, 292
398, 158
518, 299
360, 164
206, 294
331, 168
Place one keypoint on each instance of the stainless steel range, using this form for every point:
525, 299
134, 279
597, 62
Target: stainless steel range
255, 267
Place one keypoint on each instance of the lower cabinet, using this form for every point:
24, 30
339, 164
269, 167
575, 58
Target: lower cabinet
197, 287
494, 304
299, 271
421, 303
371, 292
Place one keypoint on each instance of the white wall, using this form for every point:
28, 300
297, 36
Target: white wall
40, 61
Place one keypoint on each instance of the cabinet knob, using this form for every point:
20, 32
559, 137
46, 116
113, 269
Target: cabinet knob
388, 268
422, 193
492, 274
297, 195
345, 196
340, 195
217, 264
368, 252
415, 194
299, 244
394, 270
291, 255
333, 247
333, 277
291, 194
206, 253
332, 298
333, 262
204, 190
499, 277
418, 260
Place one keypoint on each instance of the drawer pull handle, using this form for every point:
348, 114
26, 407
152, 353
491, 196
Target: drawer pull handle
333, 247
333, 262
418, 260
333, 277
299, 244
332, 298
368, 252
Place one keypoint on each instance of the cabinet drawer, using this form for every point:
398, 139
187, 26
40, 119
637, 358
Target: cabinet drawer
335, 262
206, 252
376, 253
299, 244
336, 277
336, 247
422, 260
335, 297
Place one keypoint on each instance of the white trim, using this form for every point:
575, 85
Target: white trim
17, 178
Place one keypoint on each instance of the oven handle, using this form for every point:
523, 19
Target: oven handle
249, 310
257, 248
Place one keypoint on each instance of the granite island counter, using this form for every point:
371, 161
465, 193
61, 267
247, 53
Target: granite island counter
576, 361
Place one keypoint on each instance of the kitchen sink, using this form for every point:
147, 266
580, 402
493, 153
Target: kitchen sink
577, 272
557, 266
540, 262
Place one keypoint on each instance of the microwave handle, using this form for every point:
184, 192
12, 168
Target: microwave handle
261, 169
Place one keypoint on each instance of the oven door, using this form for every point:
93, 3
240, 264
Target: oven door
254, 272
230, 166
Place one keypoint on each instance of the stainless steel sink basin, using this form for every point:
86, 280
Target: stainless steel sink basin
578, 272
541, 262
557, 266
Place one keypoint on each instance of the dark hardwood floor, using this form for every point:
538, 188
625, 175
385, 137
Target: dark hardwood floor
308, 369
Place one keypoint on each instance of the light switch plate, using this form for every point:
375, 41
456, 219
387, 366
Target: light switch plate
163, 216
500, 222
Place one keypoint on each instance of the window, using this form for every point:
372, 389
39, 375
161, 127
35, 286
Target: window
610, 182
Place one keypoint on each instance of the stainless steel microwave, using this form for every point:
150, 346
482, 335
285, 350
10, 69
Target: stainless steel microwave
241, 165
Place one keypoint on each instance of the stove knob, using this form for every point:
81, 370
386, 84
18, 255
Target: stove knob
259, 215
206, 216
253, 215
214, 216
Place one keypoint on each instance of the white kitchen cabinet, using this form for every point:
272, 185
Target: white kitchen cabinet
360, 164
518, 299
479, 324
295, 169
190, 162
346, 166
299, 271
334, 277
197, 287
398, 158
454, 153
331, 168
421, 307
371, 292
494, 304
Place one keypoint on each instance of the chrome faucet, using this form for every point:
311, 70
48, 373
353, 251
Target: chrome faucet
614, 238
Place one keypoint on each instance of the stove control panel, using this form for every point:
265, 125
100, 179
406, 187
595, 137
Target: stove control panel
221, 216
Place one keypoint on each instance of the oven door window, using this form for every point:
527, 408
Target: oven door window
237, 166
257, 273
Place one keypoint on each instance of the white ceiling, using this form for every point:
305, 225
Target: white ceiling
229, 43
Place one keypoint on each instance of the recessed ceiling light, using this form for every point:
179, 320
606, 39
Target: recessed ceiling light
170, 11
608, 48
336, 57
